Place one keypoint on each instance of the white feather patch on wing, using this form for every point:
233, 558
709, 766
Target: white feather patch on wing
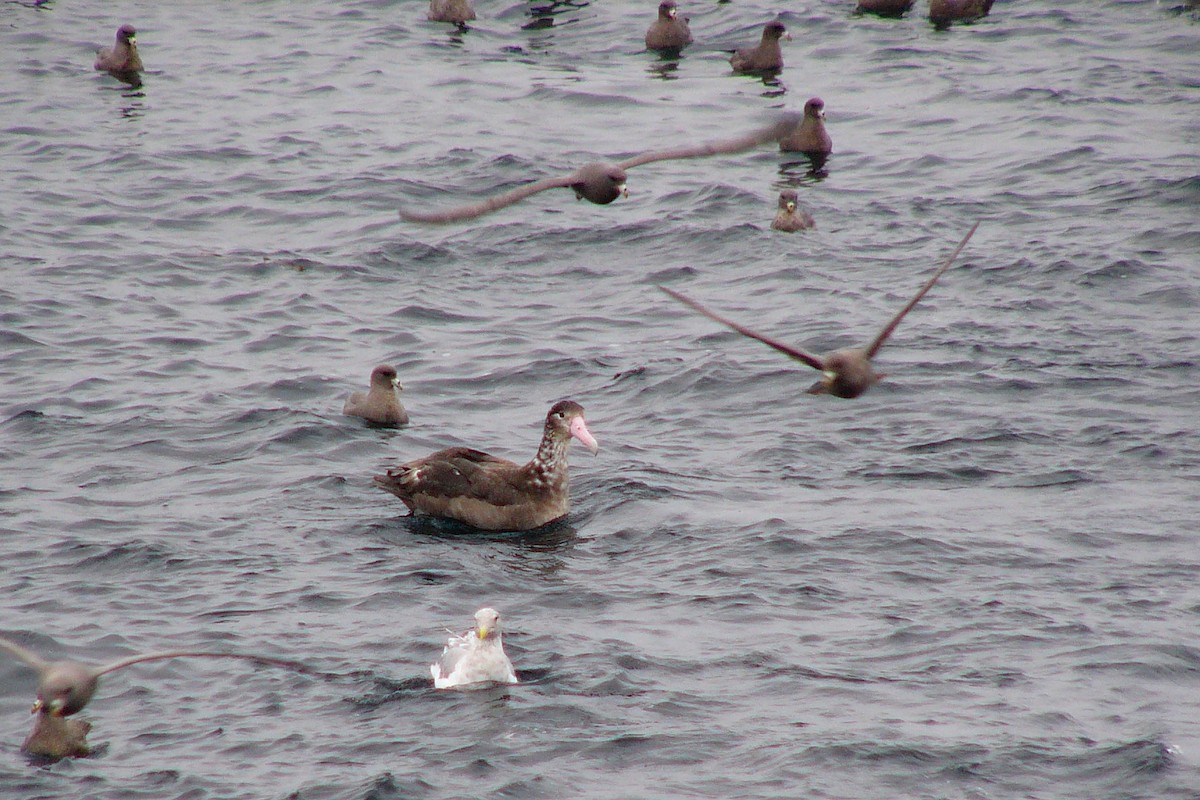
469, 660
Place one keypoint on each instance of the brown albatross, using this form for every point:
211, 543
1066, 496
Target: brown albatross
121, 60
66, 687
602, 182
845, 373
492, 493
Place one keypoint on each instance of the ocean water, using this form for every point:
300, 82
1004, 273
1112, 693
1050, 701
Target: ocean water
978, 580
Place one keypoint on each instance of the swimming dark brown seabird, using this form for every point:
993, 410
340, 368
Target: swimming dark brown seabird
766, 56
603, 182
381, 404
790, 217
457, 11
670, 31
810, 137
943, 12
885, 8
846, 373
121, 60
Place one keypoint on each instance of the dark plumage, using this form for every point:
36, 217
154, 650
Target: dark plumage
57, 737
846, 373
790, 218
810, 137
603, 182
943, 12
121, 60
492, 493
670, 31
456, 11
885, 8
381, 404
767, 55
66, 687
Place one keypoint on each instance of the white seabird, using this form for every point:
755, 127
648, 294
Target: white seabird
476, 657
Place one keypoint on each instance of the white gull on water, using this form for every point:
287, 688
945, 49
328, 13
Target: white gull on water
475, 657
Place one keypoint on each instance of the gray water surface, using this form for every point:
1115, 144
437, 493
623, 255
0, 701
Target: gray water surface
978, 580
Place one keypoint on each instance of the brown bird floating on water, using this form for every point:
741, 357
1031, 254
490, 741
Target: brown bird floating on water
66, 687
885, 8
943, 12
670, 31
491, 493
121, 60
810, 137
846, 373
790, 218
766, 56
603, 182
381, 404
456, 11
57, 737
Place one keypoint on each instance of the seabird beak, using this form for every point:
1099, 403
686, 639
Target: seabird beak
483, 632
579, 431
822, 386
396, 384
37, 706
787, 36
672, 13
821, 114
791, 206
623, 190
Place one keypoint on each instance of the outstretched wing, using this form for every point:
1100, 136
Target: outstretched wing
473, 210
813, 361
771, 133
877, 343
159, 656
30, 658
